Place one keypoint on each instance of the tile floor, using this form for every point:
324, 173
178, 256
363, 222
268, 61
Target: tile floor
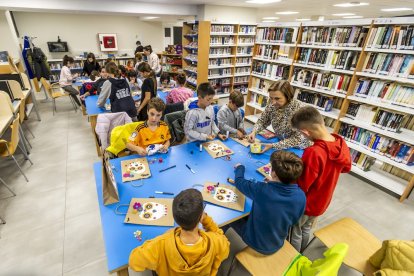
53, 224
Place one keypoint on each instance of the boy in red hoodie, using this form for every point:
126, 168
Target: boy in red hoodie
323, 162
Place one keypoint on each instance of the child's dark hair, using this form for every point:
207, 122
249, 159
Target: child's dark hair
92, 56
122, 69
157, 104
138, 57
306, 117
287, 166
112, 68
165, 76
67, 59
205, 89
188, 209
131, 74
138, 42
148, 48
181, 78
94, 74
144, 67
237, 98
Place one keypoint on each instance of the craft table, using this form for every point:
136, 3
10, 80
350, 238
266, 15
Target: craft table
119, 238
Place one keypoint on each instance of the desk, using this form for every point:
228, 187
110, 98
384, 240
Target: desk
118, 237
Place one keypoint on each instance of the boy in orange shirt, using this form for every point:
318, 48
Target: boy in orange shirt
153, 134
185, 249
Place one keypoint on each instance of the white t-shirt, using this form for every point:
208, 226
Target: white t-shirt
154, 62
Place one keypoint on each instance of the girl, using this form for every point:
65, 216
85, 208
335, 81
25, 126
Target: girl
117, 90
165, 81
66, 78
134, 83
138, 61
130, 65
181, 93
90, 65
149, 89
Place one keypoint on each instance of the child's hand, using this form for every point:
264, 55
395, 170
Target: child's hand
82, 97
267, 179
240, 134
266, 148
222, 137
141, 151
237, 165
211, 137
251, 137
76, 75
164, 149
242, 131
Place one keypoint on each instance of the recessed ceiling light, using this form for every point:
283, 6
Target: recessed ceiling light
287, 12
270, 18
396, 9
150, 17
268, 21
351, 4
321, 18
302, 19
343, 14
262, 1
353, 17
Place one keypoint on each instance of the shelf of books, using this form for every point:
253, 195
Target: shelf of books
171, 63
377, 116
219, 53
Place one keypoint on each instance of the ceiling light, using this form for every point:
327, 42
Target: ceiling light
270, 18
353, 17
396, 9
321, 18
268, 21
302, 19
262, 1
343, 14
149, 17
351, 4
287, 12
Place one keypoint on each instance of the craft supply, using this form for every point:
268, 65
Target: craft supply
230, 180
135, 169
201, 147
224, 195
138, 235
146, 211
190, 168
227, 134
217, 149
256, 148
265, 170
163, 193
163, 170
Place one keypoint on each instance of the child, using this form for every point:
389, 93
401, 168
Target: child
180, 93
134, 83
185, 250
66, 78
323, 162
229, 116
94, 75
148, 88
97, 85
139, 48
199, 120
138, 61
90, 65
165, 81
152, 131
117, 90
153, 60
123, 71
130, 65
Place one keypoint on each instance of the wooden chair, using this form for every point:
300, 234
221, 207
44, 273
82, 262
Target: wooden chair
8, 148
275, 264
55, 91
362, 244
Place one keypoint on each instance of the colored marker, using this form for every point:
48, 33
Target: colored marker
190, 168
163, 170
163, 193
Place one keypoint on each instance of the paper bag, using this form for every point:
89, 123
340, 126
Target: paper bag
109, 186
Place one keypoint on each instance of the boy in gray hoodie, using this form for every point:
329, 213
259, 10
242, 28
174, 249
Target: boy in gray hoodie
199, 120
229, 116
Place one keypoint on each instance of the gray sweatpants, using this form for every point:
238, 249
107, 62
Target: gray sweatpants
301, 232
73, 92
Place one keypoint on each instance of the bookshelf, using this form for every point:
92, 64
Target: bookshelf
171, 63
218, 52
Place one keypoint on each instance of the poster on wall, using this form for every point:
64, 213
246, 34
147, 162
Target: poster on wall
108, 42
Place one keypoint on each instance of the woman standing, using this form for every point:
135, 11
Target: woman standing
66, 78
148, 89
278, 112
153, 60
90, 65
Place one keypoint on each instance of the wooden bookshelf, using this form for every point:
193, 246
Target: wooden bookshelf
171, 63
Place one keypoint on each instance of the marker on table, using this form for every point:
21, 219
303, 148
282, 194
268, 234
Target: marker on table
163, 170
190, 168
163, 193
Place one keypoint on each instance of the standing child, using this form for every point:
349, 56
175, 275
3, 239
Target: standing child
199, 120
152, 131
229, 116
117, 90
148, 89
90, 65
138, 61
180, 93
186, 250
153, 60
66, 78
323, 163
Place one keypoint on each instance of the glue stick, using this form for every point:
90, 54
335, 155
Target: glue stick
201, 147
227, 134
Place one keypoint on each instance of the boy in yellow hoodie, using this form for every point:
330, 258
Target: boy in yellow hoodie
184, 250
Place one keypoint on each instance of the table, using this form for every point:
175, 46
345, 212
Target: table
163, 95
118, 237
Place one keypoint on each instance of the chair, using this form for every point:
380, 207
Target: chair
55, 91
362, 244
175, 122
8, 188
8, 148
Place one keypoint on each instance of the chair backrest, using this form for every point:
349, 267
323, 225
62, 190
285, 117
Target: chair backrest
18, 93
5, 101
14, 141
175, 122
46, 86
26, 80
106, 122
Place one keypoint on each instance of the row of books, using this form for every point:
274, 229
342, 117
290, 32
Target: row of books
319, 101
391, 148
243, 60
219, 61
245, 40
274, 53
247, 29
221, 40
241, 87
191, 57
271, 70
241, 80
247, 50
220, 82
360, 111
219, 72
361, 160
279, 35
240, 70
329, 122
392, 37
396, 171
258, 99
191, 68
220, 51
335, 36
327, 81
385, 91
346, 60
222, 28
394, 65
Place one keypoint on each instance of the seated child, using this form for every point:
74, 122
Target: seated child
152, 135
95, 88
134, 83
123, 70
229, 116
165, 81
180, 93
184, 250
130, 65
199, 120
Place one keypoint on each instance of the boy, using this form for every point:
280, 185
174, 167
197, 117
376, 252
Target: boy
97, 85
229, 116
152, 131
185, 250
199, 120
323, 162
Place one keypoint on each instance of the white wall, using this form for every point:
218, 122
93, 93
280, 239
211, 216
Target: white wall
80, 31
228, 14
6, 41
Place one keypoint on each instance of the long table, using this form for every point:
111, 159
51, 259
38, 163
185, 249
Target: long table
118, 236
